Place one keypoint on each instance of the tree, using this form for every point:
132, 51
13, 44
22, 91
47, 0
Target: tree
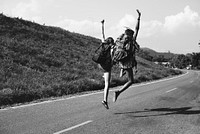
196, 60
181, 61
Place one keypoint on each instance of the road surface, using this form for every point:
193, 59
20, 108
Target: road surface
168, 106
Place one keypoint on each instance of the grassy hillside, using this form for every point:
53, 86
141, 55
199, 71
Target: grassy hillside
39, 61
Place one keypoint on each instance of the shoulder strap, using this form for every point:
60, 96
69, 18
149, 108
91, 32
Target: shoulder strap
98, 48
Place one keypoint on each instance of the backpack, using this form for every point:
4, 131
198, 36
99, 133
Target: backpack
123, 48
102, 53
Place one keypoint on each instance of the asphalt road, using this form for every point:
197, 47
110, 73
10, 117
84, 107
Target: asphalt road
168, 106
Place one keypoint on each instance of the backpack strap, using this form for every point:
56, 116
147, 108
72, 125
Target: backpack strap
98, 47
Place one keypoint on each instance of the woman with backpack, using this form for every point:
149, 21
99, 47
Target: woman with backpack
106, 65
128, 42
103, 57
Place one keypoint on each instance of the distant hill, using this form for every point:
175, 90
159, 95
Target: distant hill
38, 61
153, 53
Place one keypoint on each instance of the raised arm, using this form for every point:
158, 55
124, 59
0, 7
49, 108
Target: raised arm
137, 25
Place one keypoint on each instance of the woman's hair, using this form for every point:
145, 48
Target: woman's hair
109, 40
129, 32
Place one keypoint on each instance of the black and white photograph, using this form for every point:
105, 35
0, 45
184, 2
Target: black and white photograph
99, 67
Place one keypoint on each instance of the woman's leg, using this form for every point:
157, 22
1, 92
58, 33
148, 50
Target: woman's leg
126, 85
107, 76
130, 80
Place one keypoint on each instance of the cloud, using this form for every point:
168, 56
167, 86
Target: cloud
172, 24
30, 10
84, 27
147, 28
116, 29
182, 20
128, 21
150, 28
94, 28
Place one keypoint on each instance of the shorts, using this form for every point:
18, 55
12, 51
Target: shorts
129, 63
107, 66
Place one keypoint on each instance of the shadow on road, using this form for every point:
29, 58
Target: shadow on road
162, 112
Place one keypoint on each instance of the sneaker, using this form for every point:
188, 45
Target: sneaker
116, 94
105, 104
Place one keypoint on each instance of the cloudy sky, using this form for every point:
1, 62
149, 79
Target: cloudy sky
166, 25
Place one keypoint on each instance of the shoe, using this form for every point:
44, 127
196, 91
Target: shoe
116, 94
105, 104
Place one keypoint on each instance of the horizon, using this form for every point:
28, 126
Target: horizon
176, 28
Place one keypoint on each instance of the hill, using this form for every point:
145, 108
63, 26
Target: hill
38, 61
155, 55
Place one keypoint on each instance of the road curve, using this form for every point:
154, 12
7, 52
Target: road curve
168, 106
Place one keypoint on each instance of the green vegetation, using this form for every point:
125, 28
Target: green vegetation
39, 62
154, 56
184, 61
191, 60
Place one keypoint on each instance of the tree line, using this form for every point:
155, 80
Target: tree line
182, 61
176, 60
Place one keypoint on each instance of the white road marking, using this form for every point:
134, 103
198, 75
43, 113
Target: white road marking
78, 96
171, 90
73, 127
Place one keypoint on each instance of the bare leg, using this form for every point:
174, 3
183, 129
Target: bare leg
130, 80
107, 76
126, 85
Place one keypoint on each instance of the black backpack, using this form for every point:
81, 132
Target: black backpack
103, 52
100, 54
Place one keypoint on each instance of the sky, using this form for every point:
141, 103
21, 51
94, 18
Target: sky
165, 26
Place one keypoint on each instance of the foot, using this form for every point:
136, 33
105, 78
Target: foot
116, 94
105, 104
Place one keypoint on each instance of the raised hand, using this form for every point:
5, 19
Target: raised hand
139, 13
